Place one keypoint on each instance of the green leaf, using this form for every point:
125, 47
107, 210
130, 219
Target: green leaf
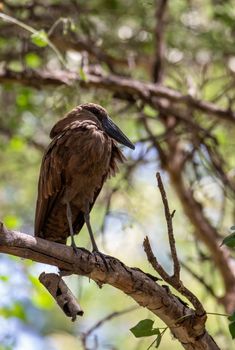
40, 38
229, 241
11, 221
158, 340
22, 100
82, 74
231, 326
4, 278
232, 317
17, 144
32, 60
149, 111
16, 66
144, 329
232, 329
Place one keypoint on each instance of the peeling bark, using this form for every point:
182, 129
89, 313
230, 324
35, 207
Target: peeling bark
62, 294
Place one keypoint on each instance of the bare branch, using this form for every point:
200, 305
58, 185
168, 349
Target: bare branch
171, 237
190, 331
154, 262
178, 285
131, 88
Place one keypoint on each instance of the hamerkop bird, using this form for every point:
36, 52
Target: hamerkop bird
82, 155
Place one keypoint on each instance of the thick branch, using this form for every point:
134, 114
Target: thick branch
133, 282
132, 88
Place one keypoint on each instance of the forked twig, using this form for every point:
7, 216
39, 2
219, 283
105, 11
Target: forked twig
173, 280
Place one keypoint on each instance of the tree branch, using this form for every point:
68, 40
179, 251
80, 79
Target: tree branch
182, 320
159, 33
173, 280
132, 88
171, 237
62, 294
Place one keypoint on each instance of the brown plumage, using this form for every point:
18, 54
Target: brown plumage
81, 156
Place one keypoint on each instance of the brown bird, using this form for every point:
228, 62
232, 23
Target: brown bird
82, 155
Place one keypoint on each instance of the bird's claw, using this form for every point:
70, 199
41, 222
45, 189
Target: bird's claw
75, 249
103, 257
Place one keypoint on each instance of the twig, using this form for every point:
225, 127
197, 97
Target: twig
31, 30
171, 237
201, 280
173, 280
154, 139
103, 320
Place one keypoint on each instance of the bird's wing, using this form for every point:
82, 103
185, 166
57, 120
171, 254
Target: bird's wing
51, 182
52, 175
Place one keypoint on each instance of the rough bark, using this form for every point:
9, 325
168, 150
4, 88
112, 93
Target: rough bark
182, 320
62, 294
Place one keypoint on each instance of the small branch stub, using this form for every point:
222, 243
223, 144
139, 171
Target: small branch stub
62, 294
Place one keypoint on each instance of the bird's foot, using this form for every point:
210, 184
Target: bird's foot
75, 249
102, 256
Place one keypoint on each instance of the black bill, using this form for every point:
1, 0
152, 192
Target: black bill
114, 132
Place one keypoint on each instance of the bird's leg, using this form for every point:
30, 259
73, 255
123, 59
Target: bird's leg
94, 245
87, 221
70, 218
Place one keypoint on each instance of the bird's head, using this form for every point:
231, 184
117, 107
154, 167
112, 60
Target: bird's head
107, 124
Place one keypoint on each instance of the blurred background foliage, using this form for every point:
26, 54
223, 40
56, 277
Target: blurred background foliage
199, 59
